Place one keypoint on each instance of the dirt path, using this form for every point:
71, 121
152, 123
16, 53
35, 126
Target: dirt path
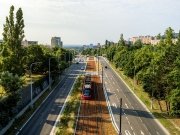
94, 116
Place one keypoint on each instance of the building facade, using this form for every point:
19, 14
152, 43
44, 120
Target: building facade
56, 41
156, 41
143, 39
27, 43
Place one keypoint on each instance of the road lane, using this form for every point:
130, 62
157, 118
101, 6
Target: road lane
44, 118
136, 119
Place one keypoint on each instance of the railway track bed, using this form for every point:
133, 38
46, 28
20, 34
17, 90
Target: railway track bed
94, 118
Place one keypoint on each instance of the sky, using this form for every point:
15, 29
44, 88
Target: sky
82, 22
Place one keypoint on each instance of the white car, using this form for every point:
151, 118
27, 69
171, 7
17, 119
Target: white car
82, 68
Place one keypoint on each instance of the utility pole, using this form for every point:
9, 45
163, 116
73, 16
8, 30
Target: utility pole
98, 65
120, 116
102, 77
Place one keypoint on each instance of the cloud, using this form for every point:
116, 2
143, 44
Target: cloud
79, 21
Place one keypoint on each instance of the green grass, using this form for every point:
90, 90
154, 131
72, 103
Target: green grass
67, 120
147, 101
34, 78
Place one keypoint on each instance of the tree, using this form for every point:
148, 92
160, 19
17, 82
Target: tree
13, 35
121, 41
158, 36
175, 102
106, 44
178, 42
169, 36
11, 83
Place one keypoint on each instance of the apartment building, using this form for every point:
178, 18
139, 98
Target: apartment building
156, 41
144, 39
56, 41
27, 43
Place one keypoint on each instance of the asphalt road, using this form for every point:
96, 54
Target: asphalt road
136, 119
43, 120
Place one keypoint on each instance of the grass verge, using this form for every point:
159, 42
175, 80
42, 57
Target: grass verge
68, 120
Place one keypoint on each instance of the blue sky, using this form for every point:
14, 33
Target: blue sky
93, 21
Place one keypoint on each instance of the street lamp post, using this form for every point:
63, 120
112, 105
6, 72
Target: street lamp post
31, 79
120, 116
49, 69
59, 67
134, 77
152, 92
102, 77
69, 59
98, 65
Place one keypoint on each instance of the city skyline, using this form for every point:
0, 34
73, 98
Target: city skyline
91, 21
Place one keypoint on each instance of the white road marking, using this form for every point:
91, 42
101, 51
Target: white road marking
126, 105
124, 114
127, 132
41, 122
117, 90
128, 122
142, 133
145, 126
108, 90
105, 82
157, 132
134, 133
140, 118
131, 128
127, 118
114, 105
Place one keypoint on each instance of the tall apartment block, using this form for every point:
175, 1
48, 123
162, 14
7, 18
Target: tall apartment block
56, 41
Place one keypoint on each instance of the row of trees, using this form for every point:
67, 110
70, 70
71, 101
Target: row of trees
17, 59
15, 62
157, 67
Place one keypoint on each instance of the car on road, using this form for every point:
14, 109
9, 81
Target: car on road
77, 62
82, 68
105, 66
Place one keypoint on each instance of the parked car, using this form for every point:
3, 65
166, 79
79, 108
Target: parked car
77, 62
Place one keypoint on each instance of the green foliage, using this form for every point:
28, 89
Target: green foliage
175, 102
11, 83
7, 108
13, 53
121, 40
67, 120
39, 83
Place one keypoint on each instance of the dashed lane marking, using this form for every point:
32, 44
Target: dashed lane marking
114, 105
126, 105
